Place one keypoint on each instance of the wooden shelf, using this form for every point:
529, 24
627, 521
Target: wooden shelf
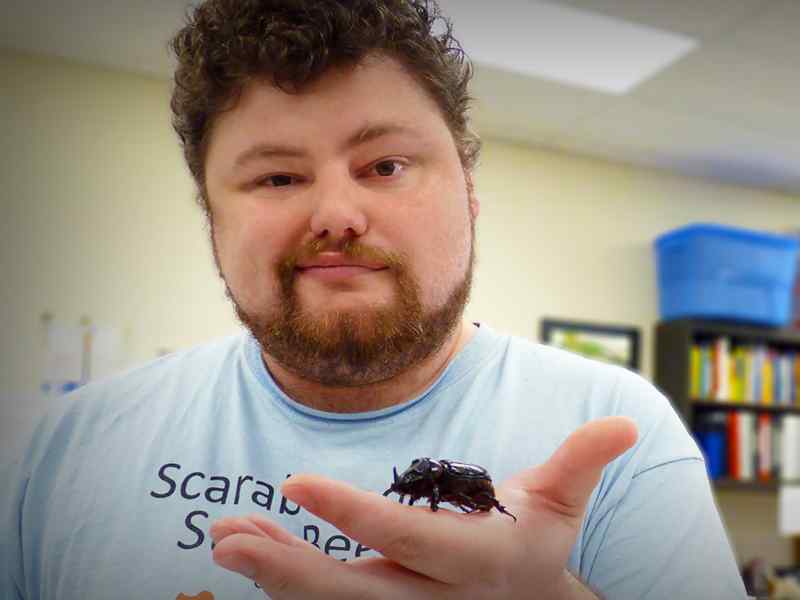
672, 342
710, 405
726, 484
774, 336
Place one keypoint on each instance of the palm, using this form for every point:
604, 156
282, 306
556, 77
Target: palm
425, 554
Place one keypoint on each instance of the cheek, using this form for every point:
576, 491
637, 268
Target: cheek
454, 260
247, 248
441, 252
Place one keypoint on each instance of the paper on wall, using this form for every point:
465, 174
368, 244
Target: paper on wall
63, 360
107, 352
76, 354
789, 510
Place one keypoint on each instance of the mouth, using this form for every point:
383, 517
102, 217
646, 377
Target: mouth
338, 272
338, 267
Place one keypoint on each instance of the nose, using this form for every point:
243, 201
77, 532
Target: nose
338, 213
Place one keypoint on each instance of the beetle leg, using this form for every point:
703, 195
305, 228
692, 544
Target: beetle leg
503, 510
402, 497
435, 498
466, 503
412, 499
492, 501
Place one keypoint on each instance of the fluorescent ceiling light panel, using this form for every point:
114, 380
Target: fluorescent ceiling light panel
562, 43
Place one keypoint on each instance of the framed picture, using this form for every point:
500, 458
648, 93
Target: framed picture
616, 344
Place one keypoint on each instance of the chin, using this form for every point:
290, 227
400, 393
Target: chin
347, 304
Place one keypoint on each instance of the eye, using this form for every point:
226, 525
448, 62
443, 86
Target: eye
388, 168
279, 180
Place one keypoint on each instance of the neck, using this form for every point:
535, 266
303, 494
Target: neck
391, 392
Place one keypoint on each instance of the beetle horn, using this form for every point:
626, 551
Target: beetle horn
396, 478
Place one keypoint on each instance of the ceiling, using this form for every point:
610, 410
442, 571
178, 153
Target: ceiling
727, 110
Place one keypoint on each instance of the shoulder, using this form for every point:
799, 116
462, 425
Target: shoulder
568, 375
189, 369
150, 392
577, 389
564, 370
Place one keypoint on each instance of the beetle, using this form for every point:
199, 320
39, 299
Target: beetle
469, 487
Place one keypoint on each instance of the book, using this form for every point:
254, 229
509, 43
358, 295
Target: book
722, 346
764, 443
777, 446
734, 455
767, 380
710, 430
695, 364
746, 432
790, 448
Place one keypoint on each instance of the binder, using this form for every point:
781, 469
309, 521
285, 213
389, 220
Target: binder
747, 446
790, 448
764, 454
734, 455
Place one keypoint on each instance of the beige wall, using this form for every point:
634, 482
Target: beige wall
98, 219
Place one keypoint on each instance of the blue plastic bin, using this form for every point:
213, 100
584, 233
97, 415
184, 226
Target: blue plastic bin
711, 271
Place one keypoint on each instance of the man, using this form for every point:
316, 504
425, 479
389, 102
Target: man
330, 146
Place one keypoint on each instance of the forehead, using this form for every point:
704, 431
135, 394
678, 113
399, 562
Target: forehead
379, 89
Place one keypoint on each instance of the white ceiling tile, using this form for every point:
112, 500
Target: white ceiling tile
702, 19
565, 44
127, 34
509, 103
723, 61
690, 145
719, 83
773, 36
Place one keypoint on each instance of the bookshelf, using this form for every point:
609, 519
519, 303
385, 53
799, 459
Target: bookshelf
674, 369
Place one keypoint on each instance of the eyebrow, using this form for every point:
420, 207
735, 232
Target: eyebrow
363, 136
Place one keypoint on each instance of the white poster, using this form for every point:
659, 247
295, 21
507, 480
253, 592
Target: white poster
106, 352
789, 510
63, 355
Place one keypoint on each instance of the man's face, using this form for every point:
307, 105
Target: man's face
342, 223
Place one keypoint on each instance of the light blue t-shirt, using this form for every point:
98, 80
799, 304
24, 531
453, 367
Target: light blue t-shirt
116, 494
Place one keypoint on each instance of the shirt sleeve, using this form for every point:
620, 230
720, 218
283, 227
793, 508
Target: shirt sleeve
16, 581
11, 571
665, 540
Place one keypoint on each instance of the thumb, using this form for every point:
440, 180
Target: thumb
567, 479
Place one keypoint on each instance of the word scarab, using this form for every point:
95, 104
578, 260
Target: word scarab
469, 487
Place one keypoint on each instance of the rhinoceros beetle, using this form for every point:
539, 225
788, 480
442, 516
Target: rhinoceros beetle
469, 487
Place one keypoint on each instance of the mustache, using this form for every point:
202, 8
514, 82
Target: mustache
349, 249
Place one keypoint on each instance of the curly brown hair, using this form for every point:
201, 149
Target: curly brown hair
228, 43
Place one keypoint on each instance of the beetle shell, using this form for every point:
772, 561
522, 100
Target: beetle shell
467, 486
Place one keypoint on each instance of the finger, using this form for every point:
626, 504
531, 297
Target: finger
410, 583
298, 572
567, 479
283, 571
256, 525
446, 546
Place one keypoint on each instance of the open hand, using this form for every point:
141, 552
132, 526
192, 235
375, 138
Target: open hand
437, 555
